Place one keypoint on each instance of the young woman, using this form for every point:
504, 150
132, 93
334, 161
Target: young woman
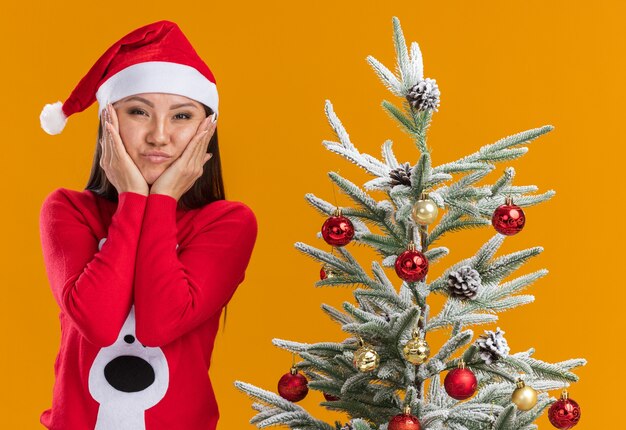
143, 260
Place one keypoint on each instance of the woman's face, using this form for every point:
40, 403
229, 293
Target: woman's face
161, 122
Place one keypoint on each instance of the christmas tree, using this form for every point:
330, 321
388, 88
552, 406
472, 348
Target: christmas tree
384, 375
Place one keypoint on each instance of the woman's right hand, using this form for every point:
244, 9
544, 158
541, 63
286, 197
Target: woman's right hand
120, 169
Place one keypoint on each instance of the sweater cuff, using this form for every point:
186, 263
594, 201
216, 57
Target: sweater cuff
134, 203
131, 196
162, 206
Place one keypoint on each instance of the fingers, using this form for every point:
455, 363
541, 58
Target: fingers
206, 134
206, 138
201, 153
199, 143
112, 142
116, 146
203, 125
104, 141
112, 113
115, 141
111, 139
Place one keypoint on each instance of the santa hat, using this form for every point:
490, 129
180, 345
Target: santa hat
154, 58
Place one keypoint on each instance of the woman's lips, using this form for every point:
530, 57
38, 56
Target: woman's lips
156, 158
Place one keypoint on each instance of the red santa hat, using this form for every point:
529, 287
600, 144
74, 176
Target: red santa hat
154, 58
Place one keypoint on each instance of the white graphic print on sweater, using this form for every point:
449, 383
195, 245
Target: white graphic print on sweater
127, 378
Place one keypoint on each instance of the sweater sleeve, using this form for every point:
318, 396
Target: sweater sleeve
175, 292
93, 288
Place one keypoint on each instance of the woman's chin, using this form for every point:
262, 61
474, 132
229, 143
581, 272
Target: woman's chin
152, 175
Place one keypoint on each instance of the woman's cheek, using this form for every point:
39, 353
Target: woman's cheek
188, 129
126, 139
187, 134
131, 142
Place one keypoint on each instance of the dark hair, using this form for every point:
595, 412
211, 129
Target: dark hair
208, 188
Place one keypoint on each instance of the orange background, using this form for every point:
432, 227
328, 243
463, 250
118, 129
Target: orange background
502, 67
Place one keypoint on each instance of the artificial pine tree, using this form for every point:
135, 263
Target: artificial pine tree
379, 375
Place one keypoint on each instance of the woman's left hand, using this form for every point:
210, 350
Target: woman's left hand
186, 169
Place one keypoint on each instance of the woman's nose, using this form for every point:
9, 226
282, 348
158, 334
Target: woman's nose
159, 132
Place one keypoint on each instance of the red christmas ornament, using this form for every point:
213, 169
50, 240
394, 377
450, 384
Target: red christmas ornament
330, 397
460, 383
564, 413
508, 219
404, 421
337, 230
411, 265
293, 386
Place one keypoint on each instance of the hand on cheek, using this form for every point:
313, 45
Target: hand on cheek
186, 169
120, 169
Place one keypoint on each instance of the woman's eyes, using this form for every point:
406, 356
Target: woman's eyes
181, 115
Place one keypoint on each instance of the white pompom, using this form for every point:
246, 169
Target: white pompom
52, 118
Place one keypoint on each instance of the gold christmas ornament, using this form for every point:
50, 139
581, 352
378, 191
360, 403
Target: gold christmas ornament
366, 358
425, 211
416, 350
524, 397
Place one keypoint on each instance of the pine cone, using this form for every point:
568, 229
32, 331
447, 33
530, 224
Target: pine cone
492, 346
424, 95
464, 283
401, 175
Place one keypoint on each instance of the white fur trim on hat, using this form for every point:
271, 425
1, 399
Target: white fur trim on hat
52, 118
158, 77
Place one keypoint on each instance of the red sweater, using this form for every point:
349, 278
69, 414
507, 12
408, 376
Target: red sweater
140, 285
